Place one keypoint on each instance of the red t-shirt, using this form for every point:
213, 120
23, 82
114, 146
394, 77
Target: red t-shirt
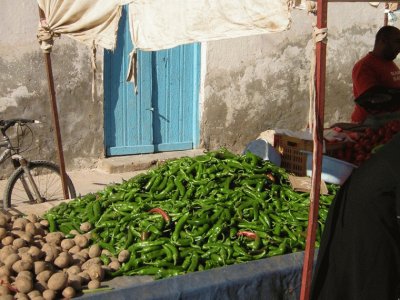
368, 72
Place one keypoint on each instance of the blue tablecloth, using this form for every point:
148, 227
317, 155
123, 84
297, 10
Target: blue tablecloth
277, 277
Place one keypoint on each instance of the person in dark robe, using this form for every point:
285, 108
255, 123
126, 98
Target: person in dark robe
359, 254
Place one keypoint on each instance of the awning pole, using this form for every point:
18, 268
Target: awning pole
386, 15
56, 124
318, 138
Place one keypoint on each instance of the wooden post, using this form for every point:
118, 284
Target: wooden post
386, 15
318, 138
54, 109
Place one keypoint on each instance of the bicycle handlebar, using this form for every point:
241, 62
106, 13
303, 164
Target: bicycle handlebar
5, 124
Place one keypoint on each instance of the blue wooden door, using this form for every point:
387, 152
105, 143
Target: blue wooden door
163, 115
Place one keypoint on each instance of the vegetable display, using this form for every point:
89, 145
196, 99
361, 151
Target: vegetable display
367, 142
36, 264
192, 214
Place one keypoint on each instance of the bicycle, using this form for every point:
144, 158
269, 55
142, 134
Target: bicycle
33, 181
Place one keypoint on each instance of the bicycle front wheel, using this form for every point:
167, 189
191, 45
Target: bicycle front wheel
47, 179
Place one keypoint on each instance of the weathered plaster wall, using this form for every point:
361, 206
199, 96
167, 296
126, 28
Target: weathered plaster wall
24, 88
249, 85
258, 83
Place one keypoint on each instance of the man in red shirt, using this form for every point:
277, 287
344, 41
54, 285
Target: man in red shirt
377, 68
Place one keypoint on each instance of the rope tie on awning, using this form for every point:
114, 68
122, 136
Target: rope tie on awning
45, 36
319, 35
311, 7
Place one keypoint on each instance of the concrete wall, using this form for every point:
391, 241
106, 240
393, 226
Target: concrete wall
249, 84
24, 88
258, 83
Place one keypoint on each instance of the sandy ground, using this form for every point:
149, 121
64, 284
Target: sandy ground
85, 181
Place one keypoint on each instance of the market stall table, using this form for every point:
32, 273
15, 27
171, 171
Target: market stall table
278, 277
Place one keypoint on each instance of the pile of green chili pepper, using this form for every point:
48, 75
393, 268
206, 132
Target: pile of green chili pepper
197, 213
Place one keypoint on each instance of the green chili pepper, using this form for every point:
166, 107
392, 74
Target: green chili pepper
194, 262
179, 226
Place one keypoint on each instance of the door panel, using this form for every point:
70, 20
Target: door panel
163, 116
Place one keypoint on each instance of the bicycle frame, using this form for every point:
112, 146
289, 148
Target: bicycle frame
19, 161
24, 164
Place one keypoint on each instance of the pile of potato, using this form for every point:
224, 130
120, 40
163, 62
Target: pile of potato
36, 264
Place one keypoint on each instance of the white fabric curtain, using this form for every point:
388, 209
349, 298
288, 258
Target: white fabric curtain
163, 24
88, 21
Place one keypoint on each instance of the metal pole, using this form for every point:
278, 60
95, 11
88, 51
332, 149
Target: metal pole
322, 7
54, 109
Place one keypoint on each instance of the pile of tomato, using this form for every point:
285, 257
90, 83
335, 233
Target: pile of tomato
366, 142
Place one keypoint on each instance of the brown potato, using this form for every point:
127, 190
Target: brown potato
44, 223
21, 296
36, 253
26, 236
123, 256
85, 278
40, 266
74, 250
6, 251
32, 218
51, 251
44, 276
49, 294
84, 253
75, 281
67, 244
8, 240
30, 228
4, 290
69, 292
22, 265
73, 270
23, 284
94, 284
11, 259
19, 243
78, 260
33, 294
106, 252
23, 250
26, 274
88, 235
96, 272
58, 281
114, 265
4, 271
94, 251
25, 256
3, 220
81, 241
54, 238
85, 227
20, 223
89, 262
63, 260
3, 233
5, 279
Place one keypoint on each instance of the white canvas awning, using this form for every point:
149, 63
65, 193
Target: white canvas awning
162, 24
88, 21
